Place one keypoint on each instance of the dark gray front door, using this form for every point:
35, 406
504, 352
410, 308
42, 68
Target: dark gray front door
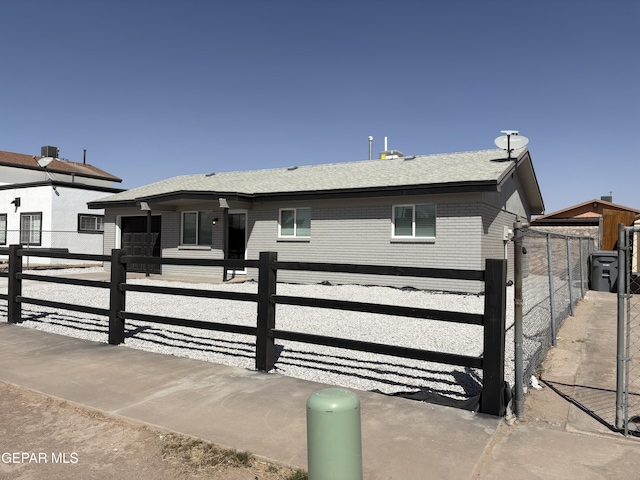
237, 236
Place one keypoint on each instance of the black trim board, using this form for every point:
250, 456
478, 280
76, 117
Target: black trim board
57, 183
408, 190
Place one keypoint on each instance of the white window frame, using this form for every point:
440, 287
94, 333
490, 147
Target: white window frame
99, 223
3, 228
295, 223
413, 221
31, 231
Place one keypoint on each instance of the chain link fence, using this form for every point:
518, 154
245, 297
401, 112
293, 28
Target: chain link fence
71, 241
555, 277
628, 383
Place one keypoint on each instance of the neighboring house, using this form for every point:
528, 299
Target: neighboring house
597, 219
46, 207
441, 211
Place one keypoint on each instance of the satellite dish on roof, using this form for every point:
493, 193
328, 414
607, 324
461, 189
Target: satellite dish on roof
511, 142
44, 161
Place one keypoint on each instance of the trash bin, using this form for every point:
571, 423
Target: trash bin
604, 271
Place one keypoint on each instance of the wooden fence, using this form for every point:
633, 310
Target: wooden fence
266, 332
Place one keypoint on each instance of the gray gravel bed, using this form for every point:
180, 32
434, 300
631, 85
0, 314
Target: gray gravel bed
340, 367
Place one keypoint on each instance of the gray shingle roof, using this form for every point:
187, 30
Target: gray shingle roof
450, 168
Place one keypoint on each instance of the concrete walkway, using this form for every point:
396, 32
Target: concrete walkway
402, 439
576, 438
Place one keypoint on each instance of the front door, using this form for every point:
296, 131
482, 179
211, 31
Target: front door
237, 245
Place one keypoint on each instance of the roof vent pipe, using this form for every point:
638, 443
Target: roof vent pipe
388, 154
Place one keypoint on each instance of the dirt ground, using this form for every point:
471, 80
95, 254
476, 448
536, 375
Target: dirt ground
44, 437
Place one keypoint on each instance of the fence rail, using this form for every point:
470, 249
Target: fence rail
493, 319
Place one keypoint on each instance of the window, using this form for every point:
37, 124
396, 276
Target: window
90, 223
3, 228
196, 228
414, 221
295, 222
30, 228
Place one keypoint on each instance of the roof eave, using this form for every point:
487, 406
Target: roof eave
58, 183
390, 191
109, 178
577, 222
524, 166
402, 190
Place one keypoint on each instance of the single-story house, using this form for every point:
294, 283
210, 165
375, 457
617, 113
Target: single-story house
597, 219
44, 205
442, 211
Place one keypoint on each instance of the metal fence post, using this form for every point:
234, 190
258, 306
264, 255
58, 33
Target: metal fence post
620, 357
517, 317
265, 345
495, 295
552, 300
581, 268
570, 276
14, 286
117, 297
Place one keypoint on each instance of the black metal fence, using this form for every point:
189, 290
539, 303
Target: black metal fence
492, 400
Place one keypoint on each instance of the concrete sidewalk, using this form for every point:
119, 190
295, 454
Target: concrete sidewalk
402, 439
568, 430
262, 413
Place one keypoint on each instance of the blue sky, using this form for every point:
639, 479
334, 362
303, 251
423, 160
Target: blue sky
155, 88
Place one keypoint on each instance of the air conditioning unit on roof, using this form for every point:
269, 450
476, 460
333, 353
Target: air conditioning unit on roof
49, 151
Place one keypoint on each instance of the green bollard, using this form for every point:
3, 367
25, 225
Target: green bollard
334, 442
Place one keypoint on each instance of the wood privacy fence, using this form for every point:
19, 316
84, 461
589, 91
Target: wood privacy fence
266, 332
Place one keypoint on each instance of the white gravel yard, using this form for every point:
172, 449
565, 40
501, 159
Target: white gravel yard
346, 368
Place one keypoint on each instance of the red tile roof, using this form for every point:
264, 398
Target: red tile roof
30, 162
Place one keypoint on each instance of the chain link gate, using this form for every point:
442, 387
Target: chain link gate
628, 355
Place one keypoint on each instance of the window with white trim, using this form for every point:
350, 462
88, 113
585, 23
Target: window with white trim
294, 222
3, 228
31, 228
88, 223
414, 221
197, 228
